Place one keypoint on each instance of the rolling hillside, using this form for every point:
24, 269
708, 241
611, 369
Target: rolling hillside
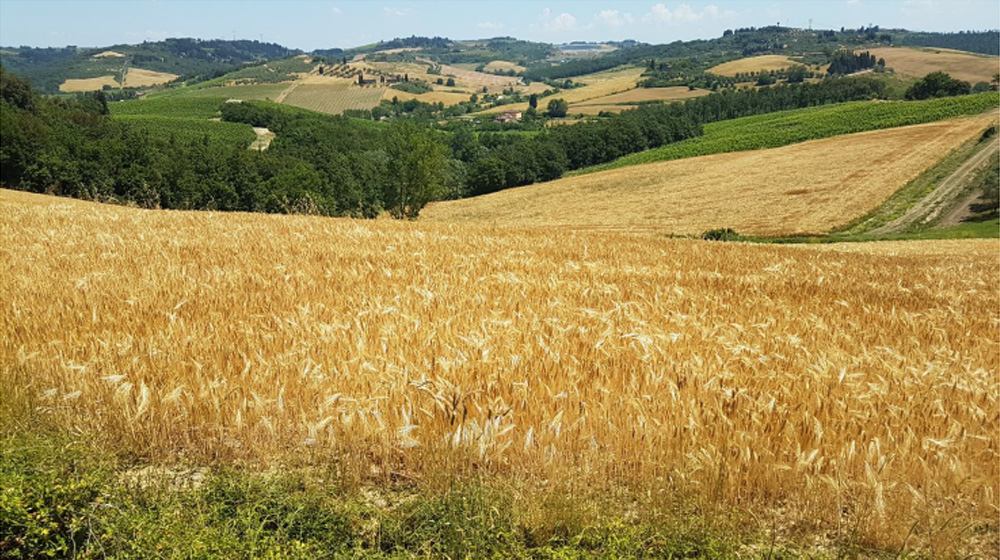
149, 63
918, 62
810, 187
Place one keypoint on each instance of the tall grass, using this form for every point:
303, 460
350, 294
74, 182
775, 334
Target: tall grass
842, 390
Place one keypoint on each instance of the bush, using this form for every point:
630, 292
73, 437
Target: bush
557, 108
722, 234
938, 84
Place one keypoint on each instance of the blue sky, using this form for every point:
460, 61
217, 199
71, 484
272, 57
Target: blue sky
322, 24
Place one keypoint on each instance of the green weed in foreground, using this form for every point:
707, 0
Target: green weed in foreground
61, 499
774, 130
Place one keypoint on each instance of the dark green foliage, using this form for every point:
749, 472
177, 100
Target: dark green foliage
937, 84
797, 74
724, 234
415, 86
415, 163
846, 62
316, 164
984, 42
557, 108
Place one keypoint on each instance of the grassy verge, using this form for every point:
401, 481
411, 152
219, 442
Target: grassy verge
914, 191
774, 130
973, 229
63, 499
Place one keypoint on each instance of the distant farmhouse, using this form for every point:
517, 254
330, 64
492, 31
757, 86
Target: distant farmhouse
509, 116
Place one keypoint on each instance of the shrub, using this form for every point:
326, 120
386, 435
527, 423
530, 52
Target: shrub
721, 234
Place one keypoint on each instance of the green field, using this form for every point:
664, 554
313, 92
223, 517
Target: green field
183, 107
774, 130
192, 130
257, 91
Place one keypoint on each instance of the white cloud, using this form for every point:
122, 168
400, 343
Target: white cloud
394, 12
853, 2
490, 25
335, 11
562, 22
683, 13
614, 18
555, 23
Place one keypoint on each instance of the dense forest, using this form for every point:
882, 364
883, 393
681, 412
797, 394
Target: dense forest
984, 42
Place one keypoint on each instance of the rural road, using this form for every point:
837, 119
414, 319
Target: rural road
931, 206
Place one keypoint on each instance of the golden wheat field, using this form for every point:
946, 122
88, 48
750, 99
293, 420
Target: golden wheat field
76, 85
849, 390
753, 64
917, 63
810, 187
138, 77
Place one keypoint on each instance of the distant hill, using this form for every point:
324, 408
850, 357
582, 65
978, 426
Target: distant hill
48, 68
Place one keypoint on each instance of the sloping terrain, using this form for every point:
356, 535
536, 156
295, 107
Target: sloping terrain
753, 64
918, 62
597, 359
810, 187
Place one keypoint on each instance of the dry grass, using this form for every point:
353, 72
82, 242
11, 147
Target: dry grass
75, 85
917, 63
597, 109
646, 94
137, 77
503, 66
810, 187
598, 85
851, 393
449, 98
108, 54
471, 78
753, 64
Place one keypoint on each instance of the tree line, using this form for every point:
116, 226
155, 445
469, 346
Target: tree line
339, 166
317, 164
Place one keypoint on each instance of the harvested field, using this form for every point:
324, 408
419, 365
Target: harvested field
591, 110
476, 80
917, 63
138, 77
334, 98
502, 66
108, 54
845, 393
75, 85
639, 95
753, 64
810, 187
449, 98
598, 85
